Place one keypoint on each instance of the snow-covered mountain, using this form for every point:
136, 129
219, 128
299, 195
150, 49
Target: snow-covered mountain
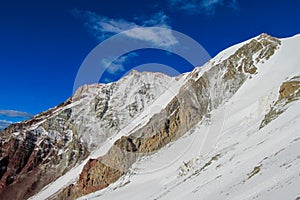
37, 151
227, 130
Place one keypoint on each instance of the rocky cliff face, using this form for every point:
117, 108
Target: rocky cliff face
202, 92
32, 153
36, 152
288, 93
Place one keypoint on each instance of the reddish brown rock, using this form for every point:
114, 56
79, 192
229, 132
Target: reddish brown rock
29, 160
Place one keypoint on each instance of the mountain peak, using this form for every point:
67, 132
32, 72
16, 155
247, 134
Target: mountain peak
265, 36
100, 136
133, 72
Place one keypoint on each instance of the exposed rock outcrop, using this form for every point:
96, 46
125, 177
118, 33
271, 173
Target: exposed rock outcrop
100, 173
289, 91
32, 158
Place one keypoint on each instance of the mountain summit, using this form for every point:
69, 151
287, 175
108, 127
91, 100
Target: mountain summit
226, 130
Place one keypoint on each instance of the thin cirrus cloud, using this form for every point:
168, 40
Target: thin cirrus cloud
102, 27
4, 124
8, 117
207, 7
15, 113
116, 66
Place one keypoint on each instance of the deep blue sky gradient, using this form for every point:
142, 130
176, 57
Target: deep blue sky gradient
42, 45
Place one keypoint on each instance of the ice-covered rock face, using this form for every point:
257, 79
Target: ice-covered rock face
37, 151
106, 109
42, 149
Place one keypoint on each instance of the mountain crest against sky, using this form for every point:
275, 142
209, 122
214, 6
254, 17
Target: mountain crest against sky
108, 140
40, 57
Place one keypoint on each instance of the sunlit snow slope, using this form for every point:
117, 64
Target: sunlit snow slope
230, 156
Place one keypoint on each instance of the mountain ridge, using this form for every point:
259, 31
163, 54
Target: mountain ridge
246, 163
132, 160
199, 93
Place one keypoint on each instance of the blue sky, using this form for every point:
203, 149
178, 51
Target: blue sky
43, 43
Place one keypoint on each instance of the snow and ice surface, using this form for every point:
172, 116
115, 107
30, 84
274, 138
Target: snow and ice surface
228, 157
164, 96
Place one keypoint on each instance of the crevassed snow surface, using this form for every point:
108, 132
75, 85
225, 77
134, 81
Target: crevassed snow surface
239, 162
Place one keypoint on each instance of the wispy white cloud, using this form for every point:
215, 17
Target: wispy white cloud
10, 116
207, 7
102, 27
159, 19
15, 113
116, 66
4, 124
107, 80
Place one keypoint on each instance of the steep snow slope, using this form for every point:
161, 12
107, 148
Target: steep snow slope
106, 109
37, 151
87, 95
245, 162
213, 133
167, 91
